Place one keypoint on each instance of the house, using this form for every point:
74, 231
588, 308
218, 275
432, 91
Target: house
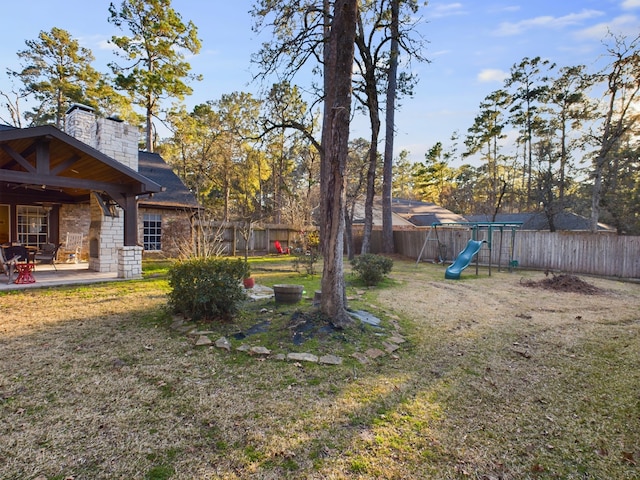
566, 221
93, 180
408, 214
423, 214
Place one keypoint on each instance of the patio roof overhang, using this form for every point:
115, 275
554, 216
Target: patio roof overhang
47, 165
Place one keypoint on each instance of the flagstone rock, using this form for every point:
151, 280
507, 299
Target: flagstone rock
361, 357
302, 357
396, 339
259, 351
390, 347
203, 341
374, 353
223, 343
200, 332
185, 328
330, 360
243, 348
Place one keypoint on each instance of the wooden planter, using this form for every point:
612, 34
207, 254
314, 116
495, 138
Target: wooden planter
285, 293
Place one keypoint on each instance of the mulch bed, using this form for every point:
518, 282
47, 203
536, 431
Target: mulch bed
564, 283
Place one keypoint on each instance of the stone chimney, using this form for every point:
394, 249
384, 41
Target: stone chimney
119, 141
80, 122
111, 136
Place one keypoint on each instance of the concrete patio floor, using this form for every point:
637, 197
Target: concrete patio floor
67, 274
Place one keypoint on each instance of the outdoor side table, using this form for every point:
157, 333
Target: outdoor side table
25, 273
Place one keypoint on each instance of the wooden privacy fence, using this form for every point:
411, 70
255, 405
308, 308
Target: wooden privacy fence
261, 241
580, 252
603, 254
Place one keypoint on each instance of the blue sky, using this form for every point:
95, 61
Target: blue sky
471, 45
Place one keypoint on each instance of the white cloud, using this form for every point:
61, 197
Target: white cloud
492, 75
627, 25
439, 10
440, 53
546, 21
508, 8
107, 45
630, 4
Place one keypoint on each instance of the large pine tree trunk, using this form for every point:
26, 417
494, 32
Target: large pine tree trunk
371, 181
387, 169
335, 138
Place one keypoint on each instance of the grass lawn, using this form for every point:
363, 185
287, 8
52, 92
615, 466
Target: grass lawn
498, 379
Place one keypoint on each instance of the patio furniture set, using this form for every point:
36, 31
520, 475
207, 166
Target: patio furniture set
22, 260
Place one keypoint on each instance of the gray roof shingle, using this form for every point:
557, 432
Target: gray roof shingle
175, 195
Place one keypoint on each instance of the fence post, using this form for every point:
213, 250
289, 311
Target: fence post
267, 232
235, 241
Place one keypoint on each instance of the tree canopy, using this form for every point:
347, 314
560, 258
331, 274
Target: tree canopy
154, 55
57, 72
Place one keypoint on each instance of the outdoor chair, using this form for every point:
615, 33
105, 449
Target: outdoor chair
279, 248
10, 257
47, 254
8, 264
72, 247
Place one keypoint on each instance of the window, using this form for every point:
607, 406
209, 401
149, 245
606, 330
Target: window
152, 231
33, 226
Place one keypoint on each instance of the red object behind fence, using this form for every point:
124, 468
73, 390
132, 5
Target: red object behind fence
279, 248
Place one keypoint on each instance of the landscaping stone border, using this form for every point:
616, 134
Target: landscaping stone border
201, 339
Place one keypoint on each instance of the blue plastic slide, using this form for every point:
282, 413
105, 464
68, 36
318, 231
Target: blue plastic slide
463, 260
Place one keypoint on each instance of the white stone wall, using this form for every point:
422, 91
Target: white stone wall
118, 140
106, 236
114, 138
130, 262
80, 124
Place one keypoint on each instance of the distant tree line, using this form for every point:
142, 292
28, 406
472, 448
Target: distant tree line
552, 139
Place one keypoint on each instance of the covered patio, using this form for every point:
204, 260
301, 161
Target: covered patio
45, 173
66, 274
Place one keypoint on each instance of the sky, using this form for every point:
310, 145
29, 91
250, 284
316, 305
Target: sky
471, 46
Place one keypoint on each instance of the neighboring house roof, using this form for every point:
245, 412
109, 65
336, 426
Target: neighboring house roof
396, 220
423, 214
409, 213
539, 221
175, 195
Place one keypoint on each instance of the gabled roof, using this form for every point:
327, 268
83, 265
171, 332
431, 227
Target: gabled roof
423, 214
538, 221
409, 213
175, 195
48, 159
359, 214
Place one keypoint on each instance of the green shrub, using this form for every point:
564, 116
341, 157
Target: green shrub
371, 268
207, 288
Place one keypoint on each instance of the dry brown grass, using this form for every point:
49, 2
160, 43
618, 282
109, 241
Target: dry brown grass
497, 381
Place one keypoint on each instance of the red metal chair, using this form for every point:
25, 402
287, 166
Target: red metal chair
279, 248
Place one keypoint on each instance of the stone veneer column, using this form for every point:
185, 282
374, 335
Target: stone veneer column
106, 236
130, 262
119, 141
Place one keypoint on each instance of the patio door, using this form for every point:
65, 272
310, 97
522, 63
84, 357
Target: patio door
5, 224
